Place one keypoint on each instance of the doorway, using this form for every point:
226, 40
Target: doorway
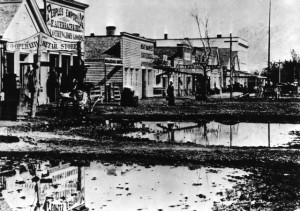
144, 84
10, 63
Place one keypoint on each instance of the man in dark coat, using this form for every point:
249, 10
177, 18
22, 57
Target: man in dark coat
170, 93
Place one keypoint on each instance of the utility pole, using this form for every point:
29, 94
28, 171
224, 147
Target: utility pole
230, 66
269, 40
78, 54
279, 76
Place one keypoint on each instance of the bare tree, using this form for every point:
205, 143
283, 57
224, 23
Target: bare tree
202, 53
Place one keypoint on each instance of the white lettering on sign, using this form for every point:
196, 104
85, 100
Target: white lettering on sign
48, 43
64, 23
113, 61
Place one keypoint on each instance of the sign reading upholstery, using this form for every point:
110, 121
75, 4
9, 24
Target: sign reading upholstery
63, 22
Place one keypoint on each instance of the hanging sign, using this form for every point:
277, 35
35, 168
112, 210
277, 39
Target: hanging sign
29, 44
48, 43
113, 61
64, 22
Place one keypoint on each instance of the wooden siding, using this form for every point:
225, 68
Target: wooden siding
96, 73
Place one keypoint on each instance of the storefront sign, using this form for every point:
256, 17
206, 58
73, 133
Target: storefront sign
113, 61
64, 23
28, 45
48, 43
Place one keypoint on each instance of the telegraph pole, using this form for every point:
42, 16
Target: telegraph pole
230, 66
269, 39
279, 76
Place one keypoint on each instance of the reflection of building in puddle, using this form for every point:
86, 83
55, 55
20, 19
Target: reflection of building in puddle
60, 188
203, 133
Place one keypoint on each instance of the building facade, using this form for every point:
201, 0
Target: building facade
186, 61
44, 34
118, 61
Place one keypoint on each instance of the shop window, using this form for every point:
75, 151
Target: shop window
65, 64
158, 79
54, 60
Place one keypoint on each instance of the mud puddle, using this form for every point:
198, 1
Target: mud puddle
29, 184
217, 134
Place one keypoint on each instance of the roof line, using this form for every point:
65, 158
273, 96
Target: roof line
72, 3
38, 16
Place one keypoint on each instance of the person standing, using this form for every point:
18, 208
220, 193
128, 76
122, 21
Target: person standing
170, 93
52, 85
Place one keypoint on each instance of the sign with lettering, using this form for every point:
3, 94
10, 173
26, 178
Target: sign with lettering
63, 22
48, 43
29, 44
113, 61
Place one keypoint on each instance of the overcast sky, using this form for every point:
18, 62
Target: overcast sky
153, 18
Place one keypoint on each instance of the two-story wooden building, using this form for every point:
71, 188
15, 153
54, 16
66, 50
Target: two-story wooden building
118, 61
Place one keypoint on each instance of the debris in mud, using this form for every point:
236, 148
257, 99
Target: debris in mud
201, 196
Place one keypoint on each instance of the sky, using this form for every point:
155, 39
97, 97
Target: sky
245, 18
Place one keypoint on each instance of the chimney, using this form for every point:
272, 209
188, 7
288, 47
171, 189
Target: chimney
166, 36
136, 34
219, 35
110, 30
92, 35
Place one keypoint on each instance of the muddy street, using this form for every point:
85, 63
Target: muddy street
139, 155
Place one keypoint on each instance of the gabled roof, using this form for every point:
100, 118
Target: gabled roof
39, 18
11, 12
8, 8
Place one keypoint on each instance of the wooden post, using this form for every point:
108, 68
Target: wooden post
230, 66
36, 69
78, 54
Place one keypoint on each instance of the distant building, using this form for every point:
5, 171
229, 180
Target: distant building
118, 61
183, 53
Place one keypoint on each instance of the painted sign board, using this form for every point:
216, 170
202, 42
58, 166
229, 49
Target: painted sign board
113, 61
64, 22
48, 43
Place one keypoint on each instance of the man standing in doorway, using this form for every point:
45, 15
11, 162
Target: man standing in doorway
170, 92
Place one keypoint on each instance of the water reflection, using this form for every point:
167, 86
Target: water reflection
37, 185
104, 186
215, 133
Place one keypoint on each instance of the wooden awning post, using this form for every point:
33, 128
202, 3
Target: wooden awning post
36, 69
